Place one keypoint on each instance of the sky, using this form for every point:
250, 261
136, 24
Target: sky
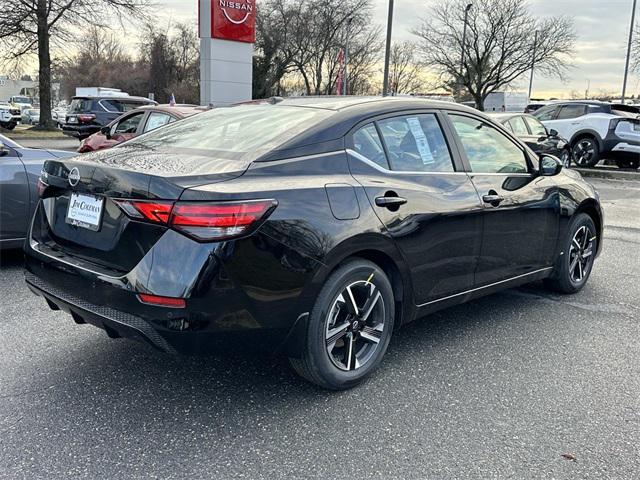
602, 27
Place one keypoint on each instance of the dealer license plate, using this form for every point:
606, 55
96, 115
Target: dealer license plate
85, 211
73, 119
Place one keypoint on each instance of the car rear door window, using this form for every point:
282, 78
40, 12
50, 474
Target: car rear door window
129, 124
547, 113
156, 120
366, 142
488, 150
518, 126
571, 111
415, 143
536, 127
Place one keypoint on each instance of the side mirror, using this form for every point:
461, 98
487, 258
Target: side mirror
550, 165
553, 133
4, 151
106, 131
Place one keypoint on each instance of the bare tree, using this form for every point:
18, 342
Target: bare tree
406, 69
499, 46
30, 27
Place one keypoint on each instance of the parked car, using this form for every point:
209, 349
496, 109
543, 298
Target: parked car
533, 106
596, 130
87, 115
21, 102
532, 132
19, 171
134, 123
312, 226
9, 116
59, 116
30, 116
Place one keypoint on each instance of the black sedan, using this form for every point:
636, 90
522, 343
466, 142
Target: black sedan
531, 131
309, 227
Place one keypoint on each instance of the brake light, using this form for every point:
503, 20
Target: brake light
86, 117
159, 301
202, 221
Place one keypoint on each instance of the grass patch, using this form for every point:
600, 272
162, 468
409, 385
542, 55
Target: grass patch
31, 132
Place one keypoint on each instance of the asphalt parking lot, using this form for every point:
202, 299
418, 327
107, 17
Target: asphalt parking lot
502, 387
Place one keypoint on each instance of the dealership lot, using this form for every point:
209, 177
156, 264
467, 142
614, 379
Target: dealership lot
498, 388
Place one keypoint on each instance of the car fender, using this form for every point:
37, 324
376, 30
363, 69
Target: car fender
588, 131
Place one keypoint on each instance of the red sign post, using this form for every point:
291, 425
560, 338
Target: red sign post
233, 20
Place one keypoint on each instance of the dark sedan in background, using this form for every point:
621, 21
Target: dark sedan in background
20, 168
312, 227
531, 131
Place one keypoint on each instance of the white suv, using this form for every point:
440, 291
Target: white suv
596, 130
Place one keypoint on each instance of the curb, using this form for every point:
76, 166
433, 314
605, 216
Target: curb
609, 173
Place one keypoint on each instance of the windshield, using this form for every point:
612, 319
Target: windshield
243, 132
21, 100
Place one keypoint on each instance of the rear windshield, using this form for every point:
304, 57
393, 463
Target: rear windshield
21, 100
243, 132
80, 105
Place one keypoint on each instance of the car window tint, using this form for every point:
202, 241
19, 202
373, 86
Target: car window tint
518, 126
536, 127
415, 143
546, 113
571, 111
129, 124
157, 120
112, 105
79, 105
595, 109
488, 150
128, 106
366, 142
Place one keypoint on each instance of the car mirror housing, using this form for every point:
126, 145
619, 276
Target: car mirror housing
106, 131
553, 133
550, 165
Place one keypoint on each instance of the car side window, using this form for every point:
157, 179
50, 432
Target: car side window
129, 124
366, 142
536, 127
156, 120
518, 126
488, 150
415, 143
546, 113
112, 105
571, 111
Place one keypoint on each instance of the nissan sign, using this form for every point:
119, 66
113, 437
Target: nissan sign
233, 20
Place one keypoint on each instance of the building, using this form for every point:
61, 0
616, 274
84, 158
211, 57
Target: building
9, 88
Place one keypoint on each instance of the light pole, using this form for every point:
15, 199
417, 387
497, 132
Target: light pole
533, 63
464, 44
626, 67
345, 83
387, 51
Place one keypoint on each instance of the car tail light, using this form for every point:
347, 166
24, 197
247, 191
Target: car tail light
86, 117
159, 301
204, 222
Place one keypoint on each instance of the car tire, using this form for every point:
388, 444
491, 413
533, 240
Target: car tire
342, 348
628, 163
565, 158
575, 264
586, 152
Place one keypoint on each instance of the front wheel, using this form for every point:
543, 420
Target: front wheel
574, 265
586, 152
349, 327
565, 158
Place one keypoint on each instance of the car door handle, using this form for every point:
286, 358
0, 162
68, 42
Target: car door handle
493, 198
390, 201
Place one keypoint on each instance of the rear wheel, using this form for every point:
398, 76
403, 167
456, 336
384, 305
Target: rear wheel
565, 158
574, 267
349, 327
586, 152
628, 163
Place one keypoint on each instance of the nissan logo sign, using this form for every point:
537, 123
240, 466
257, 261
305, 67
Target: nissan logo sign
74, 176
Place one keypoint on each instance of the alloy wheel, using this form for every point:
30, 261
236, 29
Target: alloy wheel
566, 158
583, 152
355, 325
581, 254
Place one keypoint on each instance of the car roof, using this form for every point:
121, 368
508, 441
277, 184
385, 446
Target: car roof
178, 110
337, 103
112, 97
502, 117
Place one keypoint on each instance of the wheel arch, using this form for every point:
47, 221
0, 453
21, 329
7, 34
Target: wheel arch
592, 208
587, 133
